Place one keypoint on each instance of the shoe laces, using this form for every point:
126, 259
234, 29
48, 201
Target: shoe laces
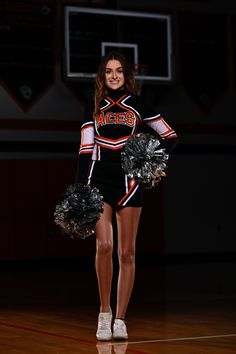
104, 321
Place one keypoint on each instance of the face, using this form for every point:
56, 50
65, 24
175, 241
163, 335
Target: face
114, 75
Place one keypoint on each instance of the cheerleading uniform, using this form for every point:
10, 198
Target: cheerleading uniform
121, 116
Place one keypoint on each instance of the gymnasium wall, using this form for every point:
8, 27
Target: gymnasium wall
192, 211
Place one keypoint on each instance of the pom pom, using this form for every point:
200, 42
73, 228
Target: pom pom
79, 211
144, 160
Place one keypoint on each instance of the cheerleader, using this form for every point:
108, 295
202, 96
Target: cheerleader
116, 115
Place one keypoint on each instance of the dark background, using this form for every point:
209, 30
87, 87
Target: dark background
190, 218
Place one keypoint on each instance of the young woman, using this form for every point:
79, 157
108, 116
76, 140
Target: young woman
117, 114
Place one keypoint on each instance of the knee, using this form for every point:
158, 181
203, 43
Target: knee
127, 257
104, 247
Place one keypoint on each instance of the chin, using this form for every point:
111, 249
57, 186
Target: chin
116, 88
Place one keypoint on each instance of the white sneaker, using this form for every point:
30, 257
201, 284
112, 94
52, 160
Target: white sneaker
104, 326
119, 329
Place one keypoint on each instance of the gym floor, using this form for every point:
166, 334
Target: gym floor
171, 311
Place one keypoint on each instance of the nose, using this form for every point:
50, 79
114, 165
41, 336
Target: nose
114, 75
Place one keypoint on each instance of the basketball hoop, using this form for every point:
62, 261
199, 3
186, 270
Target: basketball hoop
140, 69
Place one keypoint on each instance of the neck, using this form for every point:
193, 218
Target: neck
116, 93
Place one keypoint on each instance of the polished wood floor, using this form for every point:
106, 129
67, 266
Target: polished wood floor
32, 322
179, 328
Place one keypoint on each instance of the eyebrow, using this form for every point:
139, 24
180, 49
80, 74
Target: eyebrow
120, 67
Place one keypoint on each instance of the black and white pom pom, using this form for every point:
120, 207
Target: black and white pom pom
79, 211
144, 160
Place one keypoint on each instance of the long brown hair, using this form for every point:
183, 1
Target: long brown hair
100, 86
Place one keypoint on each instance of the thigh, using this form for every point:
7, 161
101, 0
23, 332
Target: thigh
104, 232
127, 226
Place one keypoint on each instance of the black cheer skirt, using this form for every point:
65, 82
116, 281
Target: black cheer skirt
117, 189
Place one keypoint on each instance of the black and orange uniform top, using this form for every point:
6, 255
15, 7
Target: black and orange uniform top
121, 115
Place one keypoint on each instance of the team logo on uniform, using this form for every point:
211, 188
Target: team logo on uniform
121, 118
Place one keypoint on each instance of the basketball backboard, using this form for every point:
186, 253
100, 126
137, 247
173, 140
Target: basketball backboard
144, 38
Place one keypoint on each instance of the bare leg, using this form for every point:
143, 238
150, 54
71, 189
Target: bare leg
103, 263
127, 225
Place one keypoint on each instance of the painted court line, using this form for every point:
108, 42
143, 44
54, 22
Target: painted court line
91, 342
184, 338
39, 331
